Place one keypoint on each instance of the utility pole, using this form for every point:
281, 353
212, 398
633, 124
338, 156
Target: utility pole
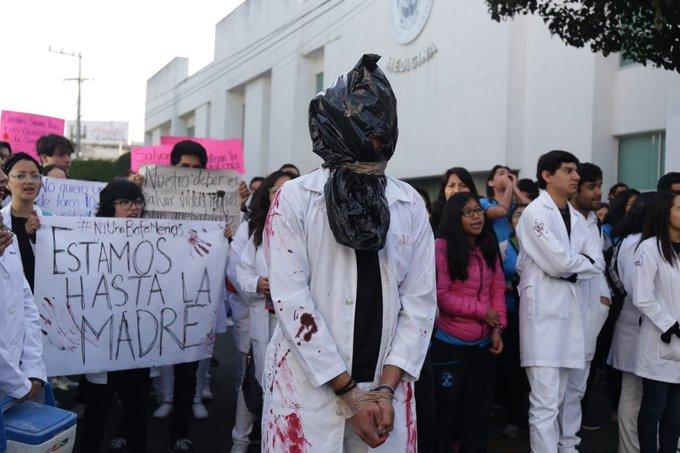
80, 80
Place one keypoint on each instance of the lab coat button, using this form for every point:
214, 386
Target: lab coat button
349, 301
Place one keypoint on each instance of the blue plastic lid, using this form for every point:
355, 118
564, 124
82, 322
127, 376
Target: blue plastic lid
33, 424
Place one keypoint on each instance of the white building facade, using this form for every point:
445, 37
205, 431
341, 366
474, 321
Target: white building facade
106, 140
471, 92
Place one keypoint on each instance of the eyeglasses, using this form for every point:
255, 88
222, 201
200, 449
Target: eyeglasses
21, 177
127, 204
473, 212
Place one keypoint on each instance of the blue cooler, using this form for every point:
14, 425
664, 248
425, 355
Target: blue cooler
32, 427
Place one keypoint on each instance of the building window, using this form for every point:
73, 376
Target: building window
641, 160
319, 82
191, 131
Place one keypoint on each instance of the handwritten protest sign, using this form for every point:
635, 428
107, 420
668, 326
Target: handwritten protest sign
149, 155
222, 154
117, 294
22, 130
189, 193
69, 197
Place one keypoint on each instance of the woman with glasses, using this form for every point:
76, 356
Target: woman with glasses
22, 216
122, 199
472, 316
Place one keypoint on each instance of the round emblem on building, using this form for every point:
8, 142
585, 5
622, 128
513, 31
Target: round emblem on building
408, 18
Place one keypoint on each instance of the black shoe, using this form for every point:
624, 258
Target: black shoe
181, 446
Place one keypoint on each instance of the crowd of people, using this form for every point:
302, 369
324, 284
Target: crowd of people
366, 316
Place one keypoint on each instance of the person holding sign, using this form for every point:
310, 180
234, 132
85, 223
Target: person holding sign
22, 370
22, 216
120, 198
55, 149
352, 279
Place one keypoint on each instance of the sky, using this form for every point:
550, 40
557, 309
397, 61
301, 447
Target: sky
123, 43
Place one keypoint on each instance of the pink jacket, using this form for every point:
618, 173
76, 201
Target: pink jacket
463, 304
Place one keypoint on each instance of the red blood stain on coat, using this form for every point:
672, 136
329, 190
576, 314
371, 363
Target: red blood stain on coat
411, 431
288, 433
308, 326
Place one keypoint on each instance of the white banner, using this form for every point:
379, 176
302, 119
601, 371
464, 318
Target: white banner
188, 193
116, 294
69, 197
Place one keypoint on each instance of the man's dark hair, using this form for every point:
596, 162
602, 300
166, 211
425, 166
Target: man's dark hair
550, 162
667, 180
188, 148
48, 144
529, 187
490, 176
285, 167
6, 145
254, 180
615, 187
588, 173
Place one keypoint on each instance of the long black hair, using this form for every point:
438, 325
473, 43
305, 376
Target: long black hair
438, 205
657, 221
118, 189
617, 209
457, 247
634, 220
259, 205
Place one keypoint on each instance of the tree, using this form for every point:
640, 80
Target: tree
645, 31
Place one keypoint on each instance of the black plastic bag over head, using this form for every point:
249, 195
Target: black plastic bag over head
353, 125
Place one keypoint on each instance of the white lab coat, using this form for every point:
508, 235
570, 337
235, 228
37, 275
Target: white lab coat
627, 329
237, 302
314, 282
552, 329
656, 294
250, 268
20, 335
6, 213
594, 311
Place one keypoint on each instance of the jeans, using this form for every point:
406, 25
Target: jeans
660, 409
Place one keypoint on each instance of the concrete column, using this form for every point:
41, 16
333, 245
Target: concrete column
156, 136
233, 124
285, 84
256, 126
202, 120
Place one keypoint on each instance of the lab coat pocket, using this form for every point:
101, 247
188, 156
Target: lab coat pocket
550, 300
670, 351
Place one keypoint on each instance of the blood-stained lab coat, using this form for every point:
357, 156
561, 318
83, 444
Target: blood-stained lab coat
20, 336
656, 293
314, 284
552, 328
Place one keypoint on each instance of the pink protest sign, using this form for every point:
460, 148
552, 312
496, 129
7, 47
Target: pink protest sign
22, 130
149, 155
222, 154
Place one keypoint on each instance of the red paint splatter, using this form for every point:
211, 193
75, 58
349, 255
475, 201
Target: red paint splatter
200, 246
411, 431
288, 431
307, 323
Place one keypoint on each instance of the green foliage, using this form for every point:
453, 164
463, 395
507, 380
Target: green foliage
99, 169
642, 30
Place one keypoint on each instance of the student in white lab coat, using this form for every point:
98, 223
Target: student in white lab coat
553, 258
656, 293
352, 279
595, 300
627, 328
22, 370
252, 273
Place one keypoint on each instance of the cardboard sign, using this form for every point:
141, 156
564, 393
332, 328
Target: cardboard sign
149, 155
69, 197
222, 154
189, 193
116, 294
22, 130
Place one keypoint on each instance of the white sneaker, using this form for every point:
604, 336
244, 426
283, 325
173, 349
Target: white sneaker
239, 447
207, 394
163, 411
200, 412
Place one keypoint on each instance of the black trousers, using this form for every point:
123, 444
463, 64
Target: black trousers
512, 385
464, 387
183, 398
659, 412
425, 408
132, 387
